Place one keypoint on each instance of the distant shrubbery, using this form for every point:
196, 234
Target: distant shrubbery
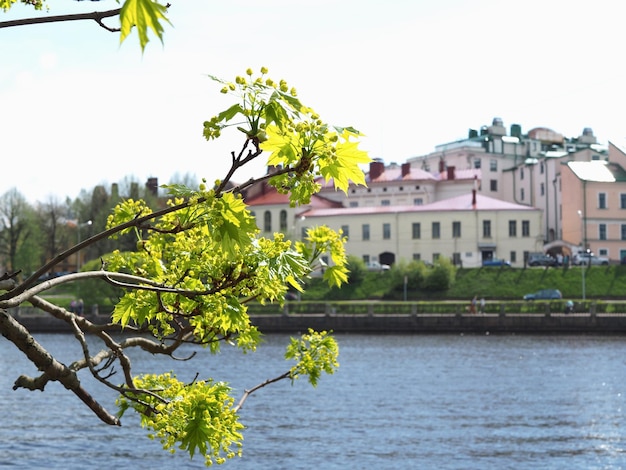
444, 281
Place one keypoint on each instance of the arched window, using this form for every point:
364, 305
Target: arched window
283, 221
267, 221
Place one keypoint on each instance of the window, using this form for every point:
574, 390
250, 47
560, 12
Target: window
525, 228
303, 233
521, 173
418, 201
601, 200
602, 231
513, 257
493, 165
283, 221
456, 259
346, 231
354, 204
416, 230
456, 229
622, 201
366, 259
366, 231
386, 231
512, 228
436, 230
623, 231
267, 221
521, 194
603, 252
542, 189
493, 185
417, 257
541, 169
436, 257
477, 163
487, 228
385, 202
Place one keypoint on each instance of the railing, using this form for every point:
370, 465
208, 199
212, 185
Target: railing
432, 308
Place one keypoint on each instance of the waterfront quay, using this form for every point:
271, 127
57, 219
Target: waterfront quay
405, 318
489, 323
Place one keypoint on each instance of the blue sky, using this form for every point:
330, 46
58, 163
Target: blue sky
77, 109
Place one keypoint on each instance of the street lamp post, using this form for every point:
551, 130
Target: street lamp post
78, 227
582, 246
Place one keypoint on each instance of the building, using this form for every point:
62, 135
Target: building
517, 167
594, 206
404, 215
467, 229
541, 172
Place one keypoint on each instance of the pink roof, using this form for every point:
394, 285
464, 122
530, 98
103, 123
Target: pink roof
414, 174
466, 174
459, 203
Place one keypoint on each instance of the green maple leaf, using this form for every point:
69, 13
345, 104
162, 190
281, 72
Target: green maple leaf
345, 167
142, 14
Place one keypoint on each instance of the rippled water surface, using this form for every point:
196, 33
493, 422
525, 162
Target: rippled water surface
432, 402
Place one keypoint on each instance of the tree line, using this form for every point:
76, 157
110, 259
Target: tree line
31, 234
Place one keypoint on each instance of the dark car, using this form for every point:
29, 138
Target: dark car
544, 294
540, 259
495, 262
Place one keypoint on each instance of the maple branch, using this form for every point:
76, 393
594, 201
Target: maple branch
96, 16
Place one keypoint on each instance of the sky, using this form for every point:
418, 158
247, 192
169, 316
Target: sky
77, 109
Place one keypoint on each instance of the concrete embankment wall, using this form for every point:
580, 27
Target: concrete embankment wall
441, 323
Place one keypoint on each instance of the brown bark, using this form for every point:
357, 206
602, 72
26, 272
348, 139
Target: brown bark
51, 368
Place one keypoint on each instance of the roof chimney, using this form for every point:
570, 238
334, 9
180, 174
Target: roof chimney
451, 172
152, 185
406, 169
376, 169
271, 169
474, 191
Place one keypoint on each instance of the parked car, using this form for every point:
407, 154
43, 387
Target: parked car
589, 258
376, 266
541, 259
291, 296
495, 262
544, 294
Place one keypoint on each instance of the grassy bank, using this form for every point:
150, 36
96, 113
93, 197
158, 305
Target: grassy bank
601, 282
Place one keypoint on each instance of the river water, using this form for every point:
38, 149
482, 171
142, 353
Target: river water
396, 402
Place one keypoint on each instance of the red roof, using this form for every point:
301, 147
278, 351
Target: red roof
273, 197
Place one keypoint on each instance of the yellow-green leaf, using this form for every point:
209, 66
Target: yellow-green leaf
142, 14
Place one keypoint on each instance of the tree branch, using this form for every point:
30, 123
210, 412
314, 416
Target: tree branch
249, 392
96, 16
45, 362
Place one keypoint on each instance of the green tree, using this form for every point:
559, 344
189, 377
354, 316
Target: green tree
414, 271
14, 227
357, 270
198, 262
441, 276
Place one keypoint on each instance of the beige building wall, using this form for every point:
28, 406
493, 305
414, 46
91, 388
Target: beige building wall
469, 245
